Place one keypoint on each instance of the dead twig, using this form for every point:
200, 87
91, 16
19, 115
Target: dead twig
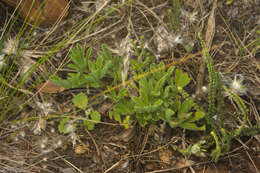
210, 32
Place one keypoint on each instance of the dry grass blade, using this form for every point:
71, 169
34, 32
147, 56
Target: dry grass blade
210, 32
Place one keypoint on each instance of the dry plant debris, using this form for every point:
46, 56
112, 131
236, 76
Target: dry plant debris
31, 141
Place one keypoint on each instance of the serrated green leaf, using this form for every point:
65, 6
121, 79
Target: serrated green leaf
148, 108
186, 106
181, 79
81, 101
77, 57
159, 84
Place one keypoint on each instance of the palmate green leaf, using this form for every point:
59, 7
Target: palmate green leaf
92, 81
181, 79
76, 80
81, 101
78, 57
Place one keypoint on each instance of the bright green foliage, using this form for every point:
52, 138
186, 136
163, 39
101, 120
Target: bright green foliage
65, 126
81, 101
181, 79
217, 151
95, 117
88, 72
159, 99
222, 136
212, 86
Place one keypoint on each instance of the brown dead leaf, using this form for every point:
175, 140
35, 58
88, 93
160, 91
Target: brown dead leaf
182, 163
49, 88
210, 32
165, 155
80, 149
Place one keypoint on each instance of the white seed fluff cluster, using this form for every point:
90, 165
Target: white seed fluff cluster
237, 86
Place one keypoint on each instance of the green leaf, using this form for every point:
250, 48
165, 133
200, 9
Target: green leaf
228, 2
99, 62
81, 101
77, 57
186, 106
127, 121
95, 116
181, 79
168, 114
88, 54
192, 126
60, 82
176, 106
148, 108
159, 84
62, 125
106, 52
198, 115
